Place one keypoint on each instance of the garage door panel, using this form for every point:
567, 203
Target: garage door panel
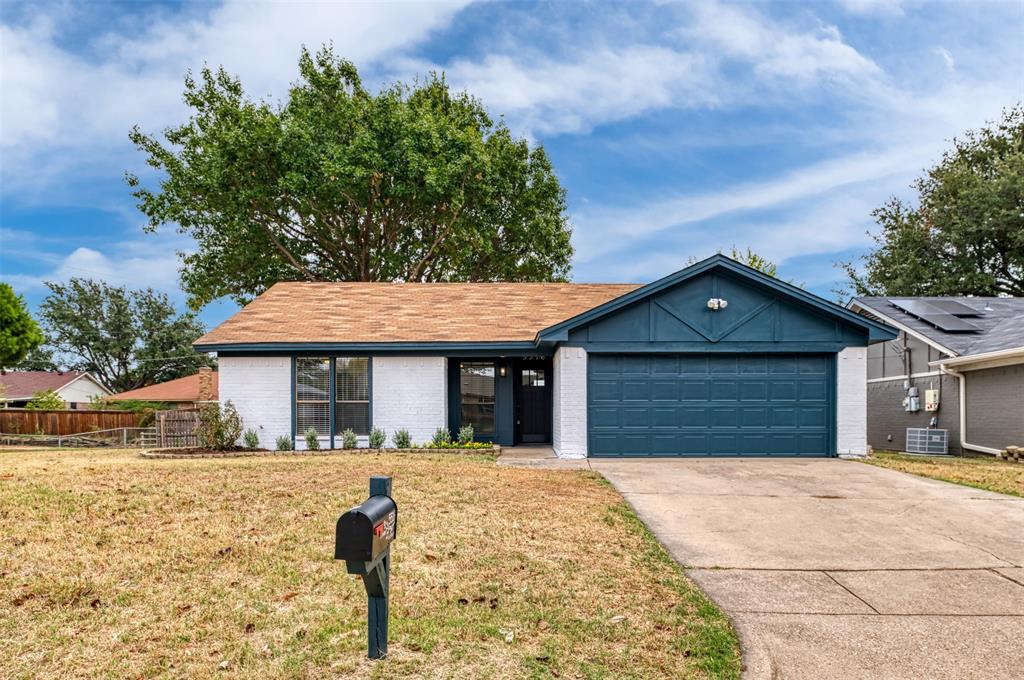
725, 390
710, 405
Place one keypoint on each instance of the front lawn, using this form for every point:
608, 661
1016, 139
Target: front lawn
982, 473
116, 566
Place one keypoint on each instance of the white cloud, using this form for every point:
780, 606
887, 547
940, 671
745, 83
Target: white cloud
947, 58
776, 50
892, 8
547, 95
56, 100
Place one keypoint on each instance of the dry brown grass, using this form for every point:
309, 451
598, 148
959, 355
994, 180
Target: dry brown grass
115, 566
982, 473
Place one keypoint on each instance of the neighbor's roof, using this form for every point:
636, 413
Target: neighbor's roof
23, 384
301, 312
180, 389
1001, 321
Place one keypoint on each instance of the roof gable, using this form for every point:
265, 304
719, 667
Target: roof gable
678, 301
24, 384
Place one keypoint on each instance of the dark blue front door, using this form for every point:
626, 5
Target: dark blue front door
710, 404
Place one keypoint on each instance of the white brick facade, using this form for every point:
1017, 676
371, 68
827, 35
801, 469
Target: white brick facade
569, 397
410, 393
260, 388
852, 401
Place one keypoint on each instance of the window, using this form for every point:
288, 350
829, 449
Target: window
476, 392
312, 395
352, 395
533, 377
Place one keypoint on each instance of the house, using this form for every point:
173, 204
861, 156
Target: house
715, 360
957, 365
76, 388
180, 393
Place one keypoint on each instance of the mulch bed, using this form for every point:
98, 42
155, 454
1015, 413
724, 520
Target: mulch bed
242, 453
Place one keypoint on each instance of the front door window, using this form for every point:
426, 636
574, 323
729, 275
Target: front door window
476, 396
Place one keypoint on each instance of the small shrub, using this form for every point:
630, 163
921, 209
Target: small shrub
219, 427
442, 438
401, 439
312, 439
465, 434
46, 400
377, 438
349, 439
284, 443
250, 439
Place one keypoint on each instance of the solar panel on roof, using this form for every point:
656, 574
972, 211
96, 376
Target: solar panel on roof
950, 323
955, 308
928, 312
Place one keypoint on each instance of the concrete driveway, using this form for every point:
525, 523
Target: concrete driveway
837, 569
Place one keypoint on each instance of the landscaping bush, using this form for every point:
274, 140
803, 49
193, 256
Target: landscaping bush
219, 428
312, 439
349, 439
284, 443
401, 439
46, 400
250, 439
465, 434
442, 438
377, 438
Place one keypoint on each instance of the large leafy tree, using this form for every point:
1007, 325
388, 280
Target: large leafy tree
19, 332
413, 183
966, 235
126, 338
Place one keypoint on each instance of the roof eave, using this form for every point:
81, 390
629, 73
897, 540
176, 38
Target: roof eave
994, 359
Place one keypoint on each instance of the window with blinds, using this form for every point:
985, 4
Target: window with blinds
352, 395
312, 395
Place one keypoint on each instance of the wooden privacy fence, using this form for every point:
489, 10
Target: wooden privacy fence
63, 422
177, 428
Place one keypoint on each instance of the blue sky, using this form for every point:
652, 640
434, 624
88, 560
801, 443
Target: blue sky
678, 129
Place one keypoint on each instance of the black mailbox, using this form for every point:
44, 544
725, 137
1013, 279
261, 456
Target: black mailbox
363, 539
366, 531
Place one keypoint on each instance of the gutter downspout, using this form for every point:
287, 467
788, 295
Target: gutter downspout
962, 379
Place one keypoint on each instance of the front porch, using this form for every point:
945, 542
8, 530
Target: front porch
507, 400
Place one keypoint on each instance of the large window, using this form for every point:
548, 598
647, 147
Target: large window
352, 395
476, 396
312, 395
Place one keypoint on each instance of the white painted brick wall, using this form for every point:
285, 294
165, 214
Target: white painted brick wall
852, 401
569, 393
410, 393
260, 388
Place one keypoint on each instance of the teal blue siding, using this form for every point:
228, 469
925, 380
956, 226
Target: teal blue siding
757, 319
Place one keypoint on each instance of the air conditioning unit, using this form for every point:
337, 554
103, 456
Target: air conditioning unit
926, 440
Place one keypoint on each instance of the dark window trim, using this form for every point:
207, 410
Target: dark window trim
332, 387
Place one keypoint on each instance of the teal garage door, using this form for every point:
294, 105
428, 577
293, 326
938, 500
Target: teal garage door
710, 404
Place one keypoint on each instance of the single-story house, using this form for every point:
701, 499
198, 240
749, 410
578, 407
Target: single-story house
76, 388
715, 360
956, 365
180, 393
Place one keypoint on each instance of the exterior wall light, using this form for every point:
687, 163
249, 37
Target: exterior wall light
717, 303
502, 371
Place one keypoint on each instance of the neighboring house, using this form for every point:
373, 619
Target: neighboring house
74, 387
947, 347
715, 360
181, 393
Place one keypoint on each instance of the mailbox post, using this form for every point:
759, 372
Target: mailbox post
363, 539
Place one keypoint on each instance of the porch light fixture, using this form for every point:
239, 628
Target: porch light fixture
502, 370
717, 303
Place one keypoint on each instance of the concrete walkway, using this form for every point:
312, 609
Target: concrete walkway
837, 569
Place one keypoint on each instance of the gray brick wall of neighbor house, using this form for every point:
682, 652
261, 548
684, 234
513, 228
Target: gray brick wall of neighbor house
887, 417
995, 407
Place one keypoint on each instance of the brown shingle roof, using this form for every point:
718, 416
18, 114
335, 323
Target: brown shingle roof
24, 384
296, 312
180, 389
